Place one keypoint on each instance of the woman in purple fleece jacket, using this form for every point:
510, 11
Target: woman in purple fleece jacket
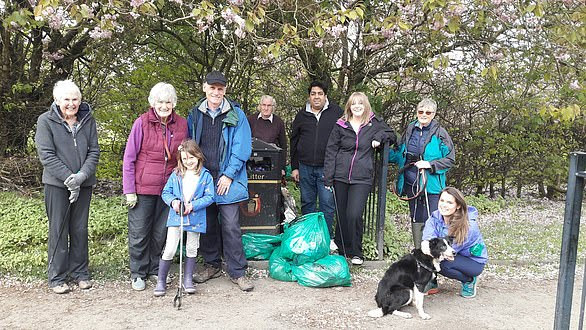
455, 219
149, 159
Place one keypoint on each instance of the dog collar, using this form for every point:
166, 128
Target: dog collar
420, 264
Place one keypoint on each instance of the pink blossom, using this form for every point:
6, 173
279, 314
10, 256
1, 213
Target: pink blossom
134, 15
136, 3
97, 33
319, 44
201, 25
388, 33
56, 18
438, 24
456, 11
562, 57
374, 46
236, 2
575, 85
53, 57
240, 33
496, 56
336, 30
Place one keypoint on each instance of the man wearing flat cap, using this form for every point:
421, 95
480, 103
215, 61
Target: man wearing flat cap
221, 130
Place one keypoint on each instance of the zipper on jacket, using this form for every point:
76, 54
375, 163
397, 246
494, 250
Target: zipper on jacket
315, 141
355, 152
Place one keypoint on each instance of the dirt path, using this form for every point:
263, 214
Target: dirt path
500, 304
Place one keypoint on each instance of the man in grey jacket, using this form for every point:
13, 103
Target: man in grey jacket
67, 144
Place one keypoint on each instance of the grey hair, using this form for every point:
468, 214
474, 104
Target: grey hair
427, 103
163, 92
268, 97
64, 86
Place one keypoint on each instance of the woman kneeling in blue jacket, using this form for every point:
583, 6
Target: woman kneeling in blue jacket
454, 218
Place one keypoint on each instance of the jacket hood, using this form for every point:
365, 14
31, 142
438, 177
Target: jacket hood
472, 213
83, 112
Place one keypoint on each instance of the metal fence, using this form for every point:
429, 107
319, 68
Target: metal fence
374, 212
571, 231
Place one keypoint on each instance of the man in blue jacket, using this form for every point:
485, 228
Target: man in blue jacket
222, 132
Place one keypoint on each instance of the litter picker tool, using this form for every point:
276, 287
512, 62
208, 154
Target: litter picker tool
338, 222
179, 294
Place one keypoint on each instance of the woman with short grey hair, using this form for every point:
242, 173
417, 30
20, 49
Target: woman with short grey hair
67, 144
149, 159
425, 151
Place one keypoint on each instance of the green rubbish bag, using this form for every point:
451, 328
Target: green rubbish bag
306, 239
330, 271
259, 246
279, 267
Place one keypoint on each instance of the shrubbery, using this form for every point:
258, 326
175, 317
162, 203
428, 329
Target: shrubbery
24, 233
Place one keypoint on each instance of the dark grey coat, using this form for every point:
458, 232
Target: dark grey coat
63, 151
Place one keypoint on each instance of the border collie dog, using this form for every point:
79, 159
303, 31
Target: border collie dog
405, 280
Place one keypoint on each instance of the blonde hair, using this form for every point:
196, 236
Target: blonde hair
191, 148
458, 226
358, 97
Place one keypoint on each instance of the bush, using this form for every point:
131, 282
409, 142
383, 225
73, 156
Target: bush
24, 234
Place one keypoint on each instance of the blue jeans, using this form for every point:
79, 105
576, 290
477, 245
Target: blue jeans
311, 183
462, 268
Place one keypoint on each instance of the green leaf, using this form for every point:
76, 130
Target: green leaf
454, 25
404, 26
249, 25
352, 15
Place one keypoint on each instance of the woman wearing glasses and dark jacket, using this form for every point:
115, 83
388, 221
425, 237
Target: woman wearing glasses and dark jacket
425, 151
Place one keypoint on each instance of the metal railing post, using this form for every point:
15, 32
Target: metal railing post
382, 202
571, 229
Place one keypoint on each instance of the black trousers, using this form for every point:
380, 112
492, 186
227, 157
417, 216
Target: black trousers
350, 200
147, 232
71, 249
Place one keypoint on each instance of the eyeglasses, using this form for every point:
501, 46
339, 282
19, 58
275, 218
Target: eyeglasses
429, 113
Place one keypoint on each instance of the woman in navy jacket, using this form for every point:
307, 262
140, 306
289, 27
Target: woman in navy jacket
348, 167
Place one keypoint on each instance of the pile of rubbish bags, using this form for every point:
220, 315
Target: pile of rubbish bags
301, 253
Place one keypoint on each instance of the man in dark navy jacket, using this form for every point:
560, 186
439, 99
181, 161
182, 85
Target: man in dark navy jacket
309, 137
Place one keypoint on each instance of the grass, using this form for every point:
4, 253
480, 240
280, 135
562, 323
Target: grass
514, 230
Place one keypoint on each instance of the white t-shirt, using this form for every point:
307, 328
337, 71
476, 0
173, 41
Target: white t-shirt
190, 182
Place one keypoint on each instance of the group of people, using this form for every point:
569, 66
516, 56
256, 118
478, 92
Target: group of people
193, 171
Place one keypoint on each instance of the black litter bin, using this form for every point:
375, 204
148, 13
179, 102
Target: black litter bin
262, 212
